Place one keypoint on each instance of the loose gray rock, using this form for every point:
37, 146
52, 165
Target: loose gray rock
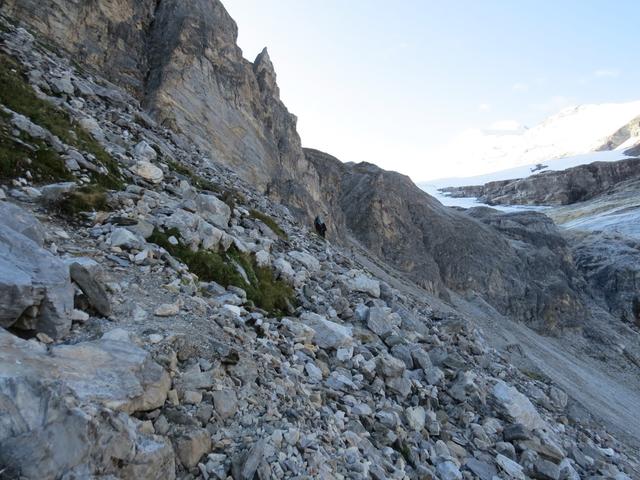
213, 210
60, 396
245, 466
148, 171
328, 334
97, 296
122, 237
191, 445
145, 152
225, 402
378, 321
364, 284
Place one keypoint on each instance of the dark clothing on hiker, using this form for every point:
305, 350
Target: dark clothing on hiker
321, 228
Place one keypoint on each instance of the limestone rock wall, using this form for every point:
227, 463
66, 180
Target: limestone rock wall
181, 61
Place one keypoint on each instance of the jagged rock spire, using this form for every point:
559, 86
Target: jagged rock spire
266, 74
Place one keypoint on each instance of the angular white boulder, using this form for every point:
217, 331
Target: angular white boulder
148, 171
213, 210
121, 237
53, 415
416, 417
310, 262
328, 334
263, 259
516, 407
364, 284
145, 152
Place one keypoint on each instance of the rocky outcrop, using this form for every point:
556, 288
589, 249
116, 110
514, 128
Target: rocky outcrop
611, 266
181, 61
63, 412
564, 187
604, 235
518, 262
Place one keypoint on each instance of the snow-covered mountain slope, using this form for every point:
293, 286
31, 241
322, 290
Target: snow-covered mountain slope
573, 131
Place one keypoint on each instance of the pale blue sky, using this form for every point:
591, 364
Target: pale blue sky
392, 82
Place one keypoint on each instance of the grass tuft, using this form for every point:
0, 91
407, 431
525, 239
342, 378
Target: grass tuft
269, 222
90, 198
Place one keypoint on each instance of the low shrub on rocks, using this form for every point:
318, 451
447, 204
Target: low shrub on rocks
90, 198
272, 295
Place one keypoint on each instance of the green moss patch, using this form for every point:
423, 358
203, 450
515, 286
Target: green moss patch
269, 222
535, 375
18, 95
274, 296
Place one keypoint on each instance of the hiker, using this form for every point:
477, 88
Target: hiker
321, 228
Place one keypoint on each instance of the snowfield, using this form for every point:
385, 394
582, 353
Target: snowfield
572, 132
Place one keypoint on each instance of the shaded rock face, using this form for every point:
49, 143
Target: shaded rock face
569, 186
551, 284
518, 262
611, 266
181, 61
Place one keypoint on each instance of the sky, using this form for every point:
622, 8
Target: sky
399, 83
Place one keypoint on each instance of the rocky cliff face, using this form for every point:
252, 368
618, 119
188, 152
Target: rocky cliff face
611, 265
518, 263
565, 187
181, 61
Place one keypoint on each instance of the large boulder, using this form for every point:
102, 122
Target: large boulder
213, 210
64, 411
90, 370
35, 287
84, 272
328, 334
148, 171
22, 222
515, 407
359, 282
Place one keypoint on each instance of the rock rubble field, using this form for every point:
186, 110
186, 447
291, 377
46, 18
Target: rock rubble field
162, 319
